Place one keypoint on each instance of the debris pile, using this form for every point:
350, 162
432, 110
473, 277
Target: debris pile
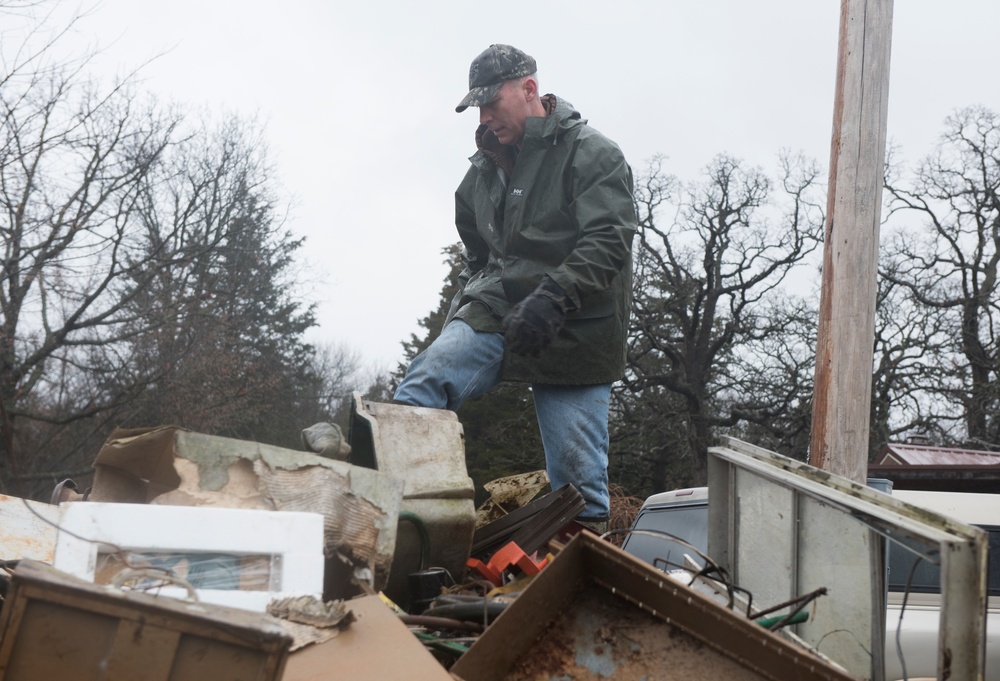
198, 557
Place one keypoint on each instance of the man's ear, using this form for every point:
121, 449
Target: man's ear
530, 88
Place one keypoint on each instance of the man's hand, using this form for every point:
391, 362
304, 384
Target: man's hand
533, 323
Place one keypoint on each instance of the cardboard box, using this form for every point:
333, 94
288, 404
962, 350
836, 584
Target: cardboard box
172, 466
596, 612
376, 646
54, 626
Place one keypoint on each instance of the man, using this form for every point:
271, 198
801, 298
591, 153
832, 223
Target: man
546, 216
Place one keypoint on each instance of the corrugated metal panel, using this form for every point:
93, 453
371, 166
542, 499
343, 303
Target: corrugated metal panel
925, 455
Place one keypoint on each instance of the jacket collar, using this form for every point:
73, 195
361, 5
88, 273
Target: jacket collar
559, 114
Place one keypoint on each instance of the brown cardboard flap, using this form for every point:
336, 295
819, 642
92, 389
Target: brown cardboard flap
377, 645
135, 465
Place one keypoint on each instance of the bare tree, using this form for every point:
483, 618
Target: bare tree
705, 310
340, 372
764, 393
73, 161
912, 347
219, 332
146, 274
945, 257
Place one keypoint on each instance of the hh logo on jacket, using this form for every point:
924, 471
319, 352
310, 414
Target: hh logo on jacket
517, 192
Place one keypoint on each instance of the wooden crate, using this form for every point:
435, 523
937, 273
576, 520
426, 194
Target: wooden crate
54, 626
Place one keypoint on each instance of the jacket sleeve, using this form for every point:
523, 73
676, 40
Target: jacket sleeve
602, 207
475, 252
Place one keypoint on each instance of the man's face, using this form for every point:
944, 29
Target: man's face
506, 115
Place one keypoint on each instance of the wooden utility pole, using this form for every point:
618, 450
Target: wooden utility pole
844, 352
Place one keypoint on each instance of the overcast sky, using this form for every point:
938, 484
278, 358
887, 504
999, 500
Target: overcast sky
358, 101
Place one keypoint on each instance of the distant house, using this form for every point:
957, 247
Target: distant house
915, 466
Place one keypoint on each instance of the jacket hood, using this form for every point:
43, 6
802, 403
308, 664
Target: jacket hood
560, 112
559, 115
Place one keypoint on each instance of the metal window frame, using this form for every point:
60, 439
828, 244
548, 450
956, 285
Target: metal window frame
759, 496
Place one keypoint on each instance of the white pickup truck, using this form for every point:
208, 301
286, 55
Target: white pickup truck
911, 639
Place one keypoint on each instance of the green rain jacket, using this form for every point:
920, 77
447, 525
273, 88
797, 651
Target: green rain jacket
562, 206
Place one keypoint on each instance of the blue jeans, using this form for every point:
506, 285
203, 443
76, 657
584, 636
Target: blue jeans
463, 363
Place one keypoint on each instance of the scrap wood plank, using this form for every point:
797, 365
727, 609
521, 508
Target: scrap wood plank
531, 525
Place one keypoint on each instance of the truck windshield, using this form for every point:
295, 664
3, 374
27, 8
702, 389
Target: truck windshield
688, 522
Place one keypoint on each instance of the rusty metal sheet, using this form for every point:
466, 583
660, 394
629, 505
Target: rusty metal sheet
603, 636
596, 612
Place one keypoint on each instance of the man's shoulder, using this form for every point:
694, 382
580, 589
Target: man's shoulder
572, 120
591, 147
591, 135
581, 133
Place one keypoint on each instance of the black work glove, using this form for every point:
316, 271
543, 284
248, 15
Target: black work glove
533, 323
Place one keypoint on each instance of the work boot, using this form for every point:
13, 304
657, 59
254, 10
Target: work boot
597, 525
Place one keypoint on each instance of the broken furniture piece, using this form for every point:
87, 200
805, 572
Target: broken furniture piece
54, 626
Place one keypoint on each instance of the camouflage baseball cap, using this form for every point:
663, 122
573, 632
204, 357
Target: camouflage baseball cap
489, 71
